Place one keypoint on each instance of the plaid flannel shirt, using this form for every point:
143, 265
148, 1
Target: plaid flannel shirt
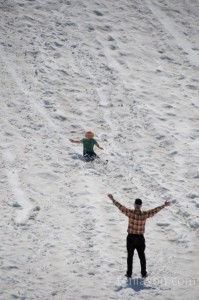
137, 218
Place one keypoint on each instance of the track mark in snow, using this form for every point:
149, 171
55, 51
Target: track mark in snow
22, 204
174, 30
18, 79
163, 225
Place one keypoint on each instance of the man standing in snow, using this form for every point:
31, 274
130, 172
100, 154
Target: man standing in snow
136, 228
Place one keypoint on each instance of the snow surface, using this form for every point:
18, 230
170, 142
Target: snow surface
128, 71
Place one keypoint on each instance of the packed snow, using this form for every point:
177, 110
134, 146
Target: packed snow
128, 71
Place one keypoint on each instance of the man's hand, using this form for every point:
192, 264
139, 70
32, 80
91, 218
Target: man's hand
110, 197
167, 203
101, 148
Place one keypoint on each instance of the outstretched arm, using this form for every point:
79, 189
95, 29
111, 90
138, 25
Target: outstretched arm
150, 213
127, 212
75, 142
99, 146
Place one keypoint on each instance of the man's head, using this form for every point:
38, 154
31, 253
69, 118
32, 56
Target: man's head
89, 135
138, 204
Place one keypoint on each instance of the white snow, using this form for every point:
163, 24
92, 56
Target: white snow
128, 71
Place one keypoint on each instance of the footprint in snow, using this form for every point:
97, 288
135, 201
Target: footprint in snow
163, 225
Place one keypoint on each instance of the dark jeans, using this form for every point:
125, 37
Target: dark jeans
135, 241
89, 156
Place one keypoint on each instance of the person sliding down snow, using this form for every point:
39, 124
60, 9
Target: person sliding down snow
88, 144
136, 227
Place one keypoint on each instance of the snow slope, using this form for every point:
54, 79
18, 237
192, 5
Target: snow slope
129, 71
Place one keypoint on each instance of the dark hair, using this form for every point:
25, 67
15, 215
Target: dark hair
138, 201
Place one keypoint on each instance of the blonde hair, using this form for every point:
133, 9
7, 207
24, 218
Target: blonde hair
90, 134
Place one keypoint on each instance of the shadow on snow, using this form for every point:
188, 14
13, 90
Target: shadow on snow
137, 284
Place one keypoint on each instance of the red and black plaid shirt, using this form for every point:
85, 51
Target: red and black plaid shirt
137, 218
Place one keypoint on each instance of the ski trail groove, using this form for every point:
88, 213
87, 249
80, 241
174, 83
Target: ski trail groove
174, 31
23, 204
